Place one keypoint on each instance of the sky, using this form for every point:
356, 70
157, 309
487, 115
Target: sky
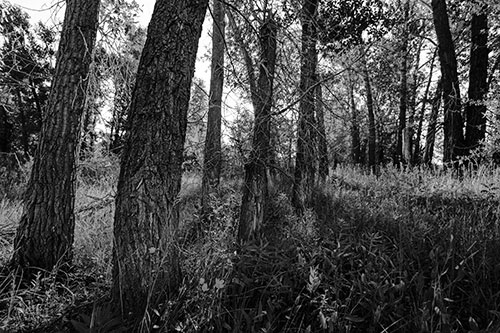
42, 10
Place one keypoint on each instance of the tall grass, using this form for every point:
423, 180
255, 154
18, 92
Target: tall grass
404, 251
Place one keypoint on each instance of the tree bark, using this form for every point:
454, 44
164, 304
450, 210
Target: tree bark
305, 162
145, 258
355, 137
255, 188
431, 129
417, 151
453, 122
403, 91
372, 135
322, 142
475, 109
212, 154
45, 234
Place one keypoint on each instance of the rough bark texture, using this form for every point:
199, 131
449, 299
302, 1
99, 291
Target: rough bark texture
305, 162
255, 188
212, 153
453, 122
417, 151
372, 130
45, 234
403, 91
475, 109
412, 109
431, 129
322, 143
355, 136
145, 259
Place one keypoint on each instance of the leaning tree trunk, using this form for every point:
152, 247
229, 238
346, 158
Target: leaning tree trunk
255, 188
372, 134
305, 162
417, 151
45, 234
322, 143
475, 109
212, 154
453, 122
431, 129
145, 258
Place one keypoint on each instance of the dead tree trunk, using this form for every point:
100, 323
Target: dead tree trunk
145, 258
45, 234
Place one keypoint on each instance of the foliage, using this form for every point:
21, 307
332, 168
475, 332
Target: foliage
27, 53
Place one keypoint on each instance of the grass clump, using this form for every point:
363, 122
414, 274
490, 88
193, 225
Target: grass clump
407, 251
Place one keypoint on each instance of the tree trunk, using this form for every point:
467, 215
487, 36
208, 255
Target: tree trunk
478, 87
145, 258
453, 122
24, 123
355, 137
212, 154
372, 135
255, 188
417, 151
431, 129
305, 162
45, 234
403, 91
5, 131
322, 143
412, 105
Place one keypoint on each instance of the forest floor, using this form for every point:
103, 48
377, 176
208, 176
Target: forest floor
408, 251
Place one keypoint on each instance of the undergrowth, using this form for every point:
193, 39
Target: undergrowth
407, 251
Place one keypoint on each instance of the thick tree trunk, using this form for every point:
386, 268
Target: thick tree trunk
145, 258
212, 153
322, 142
403, 92
45, 234
478, 86
453, 122
355, 136
305, 162
431, 129
255, 188
372, 134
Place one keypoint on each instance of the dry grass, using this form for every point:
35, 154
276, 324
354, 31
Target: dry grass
405, 251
